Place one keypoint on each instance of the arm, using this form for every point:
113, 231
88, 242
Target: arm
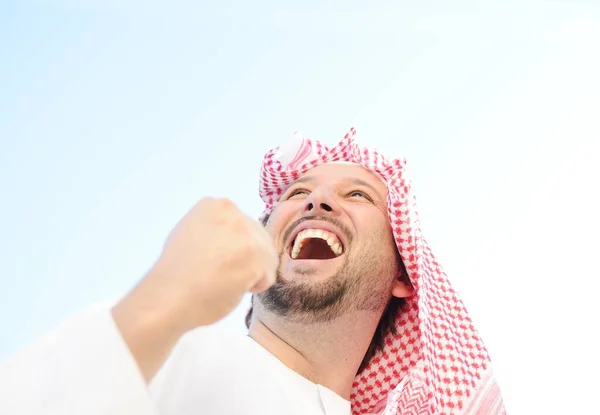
149, 325
81, 367
100, 362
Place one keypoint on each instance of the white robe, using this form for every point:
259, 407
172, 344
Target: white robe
85, 367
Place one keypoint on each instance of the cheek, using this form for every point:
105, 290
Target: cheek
278, 221
272, 225
373, 229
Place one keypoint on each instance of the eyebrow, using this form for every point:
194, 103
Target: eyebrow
348, 181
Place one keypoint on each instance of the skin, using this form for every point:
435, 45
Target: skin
320, 316
198, 280
213, 256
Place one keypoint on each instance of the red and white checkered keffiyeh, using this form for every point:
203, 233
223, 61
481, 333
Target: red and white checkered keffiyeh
436, 363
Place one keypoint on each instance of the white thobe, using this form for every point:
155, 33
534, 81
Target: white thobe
85, 367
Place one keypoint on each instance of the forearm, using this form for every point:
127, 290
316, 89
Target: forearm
149, 327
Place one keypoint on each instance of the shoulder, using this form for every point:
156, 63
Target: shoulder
204, 346
199, 359
205, 352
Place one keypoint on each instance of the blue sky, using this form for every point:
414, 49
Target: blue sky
115, 117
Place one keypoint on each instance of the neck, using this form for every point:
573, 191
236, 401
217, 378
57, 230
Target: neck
326, 353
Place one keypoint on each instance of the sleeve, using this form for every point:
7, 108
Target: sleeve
81, 367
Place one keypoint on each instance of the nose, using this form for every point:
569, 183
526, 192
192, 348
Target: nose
322, 201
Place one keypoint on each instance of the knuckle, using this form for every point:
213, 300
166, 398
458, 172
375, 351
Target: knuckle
223, 203
206, 201
217, 204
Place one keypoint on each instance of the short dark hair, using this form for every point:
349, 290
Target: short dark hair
387, 323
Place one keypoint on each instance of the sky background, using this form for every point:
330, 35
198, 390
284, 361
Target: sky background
117, 116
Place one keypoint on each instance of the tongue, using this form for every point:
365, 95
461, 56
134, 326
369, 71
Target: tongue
316, 248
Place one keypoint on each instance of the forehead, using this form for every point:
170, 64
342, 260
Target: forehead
339, 173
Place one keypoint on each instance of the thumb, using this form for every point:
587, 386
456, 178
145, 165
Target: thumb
262, 285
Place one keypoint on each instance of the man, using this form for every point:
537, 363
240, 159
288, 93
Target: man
351, 311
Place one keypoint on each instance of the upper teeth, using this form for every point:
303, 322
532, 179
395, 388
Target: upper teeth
332, 240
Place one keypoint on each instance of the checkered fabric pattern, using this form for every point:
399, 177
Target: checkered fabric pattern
436, 363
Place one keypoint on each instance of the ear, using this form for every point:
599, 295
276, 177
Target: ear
401, 289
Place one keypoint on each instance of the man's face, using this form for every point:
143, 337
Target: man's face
335, 245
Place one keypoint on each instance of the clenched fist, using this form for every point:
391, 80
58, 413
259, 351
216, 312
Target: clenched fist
213, 256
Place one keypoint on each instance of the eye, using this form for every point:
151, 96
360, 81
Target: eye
361, 194
297, 192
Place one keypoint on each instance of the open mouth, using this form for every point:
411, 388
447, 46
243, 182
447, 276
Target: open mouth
316, 244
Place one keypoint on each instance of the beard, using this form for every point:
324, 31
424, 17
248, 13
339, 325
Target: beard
356, 286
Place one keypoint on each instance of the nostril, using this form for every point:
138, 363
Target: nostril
310, 206
326, 207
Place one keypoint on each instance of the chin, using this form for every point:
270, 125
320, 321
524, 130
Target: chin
311, 269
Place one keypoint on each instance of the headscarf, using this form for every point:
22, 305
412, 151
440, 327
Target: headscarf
436, 363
